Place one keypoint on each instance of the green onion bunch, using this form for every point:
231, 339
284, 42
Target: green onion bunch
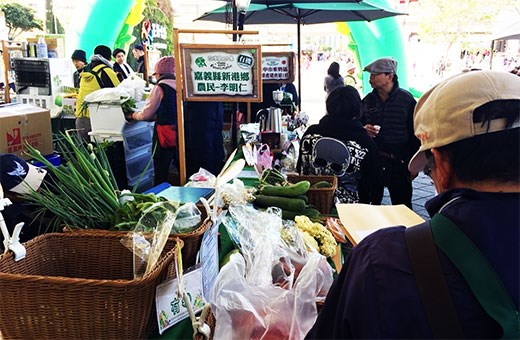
81, 192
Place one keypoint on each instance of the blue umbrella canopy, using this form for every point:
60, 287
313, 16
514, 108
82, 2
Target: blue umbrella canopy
302, 12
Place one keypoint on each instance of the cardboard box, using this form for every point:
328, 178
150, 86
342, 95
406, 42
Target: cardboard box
23, 123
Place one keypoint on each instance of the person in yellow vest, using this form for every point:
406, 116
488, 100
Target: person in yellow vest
96, 75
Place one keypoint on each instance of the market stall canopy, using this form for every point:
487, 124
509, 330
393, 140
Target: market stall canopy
511, 32
303, 12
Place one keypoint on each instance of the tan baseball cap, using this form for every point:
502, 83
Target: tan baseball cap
444, 114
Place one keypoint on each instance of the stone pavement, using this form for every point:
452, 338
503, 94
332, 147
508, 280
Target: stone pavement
423, 190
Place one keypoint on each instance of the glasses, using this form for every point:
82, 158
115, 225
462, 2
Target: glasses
429, 166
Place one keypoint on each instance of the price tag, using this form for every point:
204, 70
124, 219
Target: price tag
172, 309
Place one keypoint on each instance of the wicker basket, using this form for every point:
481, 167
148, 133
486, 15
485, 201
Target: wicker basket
192, 240
321, 198
74, 285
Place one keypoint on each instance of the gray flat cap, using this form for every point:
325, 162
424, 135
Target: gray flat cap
382, 65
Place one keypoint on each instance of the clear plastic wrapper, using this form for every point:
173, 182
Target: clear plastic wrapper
250, 132
202, 178
236, 193
148, 246
336, 228
268, 290
187, 220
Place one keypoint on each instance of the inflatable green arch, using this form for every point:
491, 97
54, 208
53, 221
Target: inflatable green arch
111, 23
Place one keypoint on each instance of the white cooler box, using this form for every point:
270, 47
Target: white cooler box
107, 120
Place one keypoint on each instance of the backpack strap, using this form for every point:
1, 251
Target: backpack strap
96, 74
431, 283
478, 273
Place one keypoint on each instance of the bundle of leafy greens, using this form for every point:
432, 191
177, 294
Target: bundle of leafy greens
82, 192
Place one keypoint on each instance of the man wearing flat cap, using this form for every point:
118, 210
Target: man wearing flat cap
457, 275
387, 115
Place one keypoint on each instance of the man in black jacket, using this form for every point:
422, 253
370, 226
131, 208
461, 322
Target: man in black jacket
387, 115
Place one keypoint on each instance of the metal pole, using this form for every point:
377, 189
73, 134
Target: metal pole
235, 19
298, 33
234, 142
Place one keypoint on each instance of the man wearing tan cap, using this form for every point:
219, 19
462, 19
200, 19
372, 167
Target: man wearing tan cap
387, 114
457, 275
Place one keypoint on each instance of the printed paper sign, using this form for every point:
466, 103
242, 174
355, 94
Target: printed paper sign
224, 73
221, 73
275, 68
171, 309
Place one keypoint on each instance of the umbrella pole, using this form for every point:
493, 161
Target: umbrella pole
234, 124
298, 34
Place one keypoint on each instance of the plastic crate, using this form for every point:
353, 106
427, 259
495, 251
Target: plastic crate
137, 164
145, 184
138, 139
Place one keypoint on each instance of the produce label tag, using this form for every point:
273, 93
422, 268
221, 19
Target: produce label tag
172, 309
209, 257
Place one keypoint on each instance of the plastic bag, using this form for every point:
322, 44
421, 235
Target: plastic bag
291, 153
202, 178
147, 247
269, 290
246, 311
336, 228
250, 132
264, 160
187, 220
236, 193
135, 85
109, 95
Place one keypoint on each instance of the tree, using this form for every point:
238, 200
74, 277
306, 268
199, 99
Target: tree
19, 18
52, 24
447, 21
